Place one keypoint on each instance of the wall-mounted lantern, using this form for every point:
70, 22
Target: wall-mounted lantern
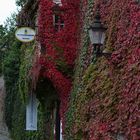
97, 34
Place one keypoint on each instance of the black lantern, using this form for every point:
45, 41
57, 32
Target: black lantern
97, 33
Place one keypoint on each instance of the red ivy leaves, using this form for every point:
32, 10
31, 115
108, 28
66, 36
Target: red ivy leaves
121, 15
122, 18
59, 46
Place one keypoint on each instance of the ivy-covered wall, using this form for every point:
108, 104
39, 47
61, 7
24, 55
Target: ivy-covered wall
103, 91
18, 59
59, 48
105, 98
17, 63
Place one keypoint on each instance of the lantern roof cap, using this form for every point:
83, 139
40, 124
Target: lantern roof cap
97, 25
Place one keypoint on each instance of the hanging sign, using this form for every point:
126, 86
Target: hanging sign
25, 34
31, 113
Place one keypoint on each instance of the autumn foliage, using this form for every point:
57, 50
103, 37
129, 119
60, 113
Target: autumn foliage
59, 48
105, 97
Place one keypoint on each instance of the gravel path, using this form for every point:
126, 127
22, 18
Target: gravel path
4, 135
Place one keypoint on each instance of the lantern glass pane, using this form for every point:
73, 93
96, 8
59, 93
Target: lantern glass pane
97, 36
91, 36
102, 38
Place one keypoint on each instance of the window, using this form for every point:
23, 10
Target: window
58, 23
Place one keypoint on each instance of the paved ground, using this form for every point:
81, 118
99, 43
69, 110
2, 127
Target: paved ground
4, 135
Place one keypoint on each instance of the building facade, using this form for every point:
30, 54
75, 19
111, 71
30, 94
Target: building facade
86, 96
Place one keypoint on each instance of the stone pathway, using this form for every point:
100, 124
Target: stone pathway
4, 135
